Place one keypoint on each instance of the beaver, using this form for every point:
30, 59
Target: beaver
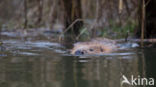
95, 46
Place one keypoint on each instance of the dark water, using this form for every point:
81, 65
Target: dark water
38, 62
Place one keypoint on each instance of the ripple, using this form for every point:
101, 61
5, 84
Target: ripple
27, 53
44, 44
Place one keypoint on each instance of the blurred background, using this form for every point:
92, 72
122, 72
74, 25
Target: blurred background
98, 15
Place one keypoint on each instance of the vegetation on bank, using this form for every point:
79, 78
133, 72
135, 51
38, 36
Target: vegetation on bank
113, 18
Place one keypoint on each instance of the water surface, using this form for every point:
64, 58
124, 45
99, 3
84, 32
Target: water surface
40, 61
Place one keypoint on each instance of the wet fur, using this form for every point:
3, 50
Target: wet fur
95, 46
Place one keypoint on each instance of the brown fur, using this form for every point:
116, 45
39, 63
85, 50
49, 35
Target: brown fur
96, 46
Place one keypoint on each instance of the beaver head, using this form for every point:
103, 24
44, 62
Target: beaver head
91, 48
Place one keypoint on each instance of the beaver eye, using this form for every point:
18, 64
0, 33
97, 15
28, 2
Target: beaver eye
91, 50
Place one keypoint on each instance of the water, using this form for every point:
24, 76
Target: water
38, 61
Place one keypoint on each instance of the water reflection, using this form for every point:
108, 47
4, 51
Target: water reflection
69, 71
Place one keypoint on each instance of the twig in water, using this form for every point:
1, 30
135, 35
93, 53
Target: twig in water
68, 28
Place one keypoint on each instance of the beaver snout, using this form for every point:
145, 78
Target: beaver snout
79, 52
